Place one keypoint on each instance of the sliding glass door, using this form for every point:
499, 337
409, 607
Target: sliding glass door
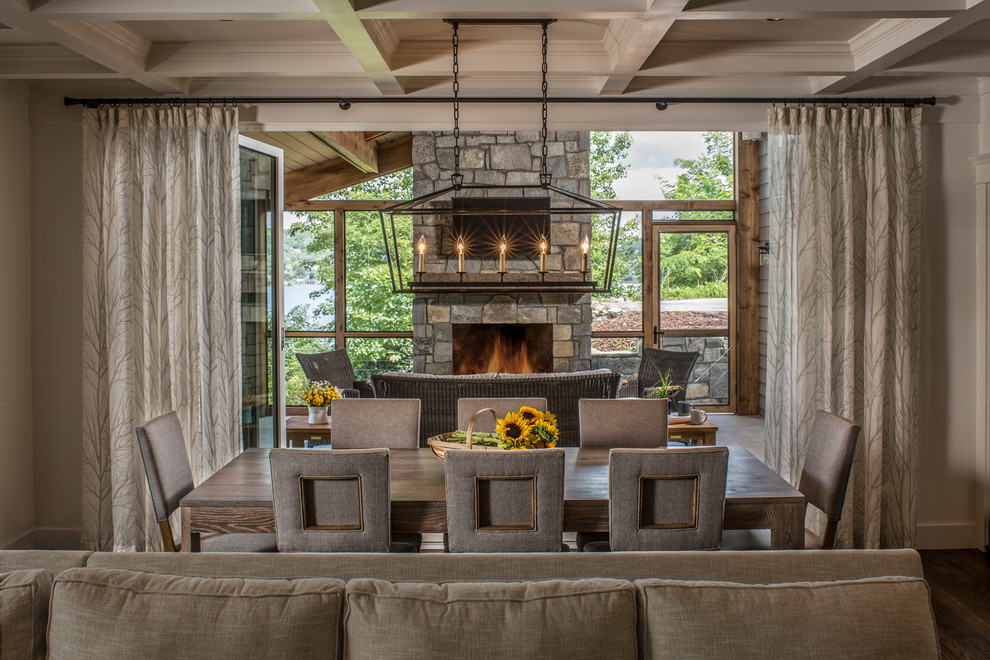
262, 337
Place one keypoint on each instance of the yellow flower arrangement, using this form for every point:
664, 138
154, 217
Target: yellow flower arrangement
527, 429
320, 394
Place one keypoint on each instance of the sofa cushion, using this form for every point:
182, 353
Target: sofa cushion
547, 619
24, 599
101, 613
869, 618
55, 561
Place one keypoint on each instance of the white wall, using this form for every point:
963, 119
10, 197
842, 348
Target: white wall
56, 320
17, 463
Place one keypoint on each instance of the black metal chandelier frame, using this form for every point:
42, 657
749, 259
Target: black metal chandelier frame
420, 282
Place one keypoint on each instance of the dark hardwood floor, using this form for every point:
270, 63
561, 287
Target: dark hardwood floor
960, 585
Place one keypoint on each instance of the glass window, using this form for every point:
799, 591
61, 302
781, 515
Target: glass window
295, 380
308, 264
372, 306
622, 309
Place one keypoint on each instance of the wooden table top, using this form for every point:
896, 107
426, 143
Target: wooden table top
417, 476
293, 422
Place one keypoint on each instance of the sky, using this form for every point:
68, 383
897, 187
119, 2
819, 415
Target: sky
653, 154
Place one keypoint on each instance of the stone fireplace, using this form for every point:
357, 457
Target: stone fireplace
511, 348
560, 339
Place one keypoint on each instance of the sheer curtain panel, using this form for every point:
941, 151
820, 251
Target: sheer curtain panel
845, 215
161, 326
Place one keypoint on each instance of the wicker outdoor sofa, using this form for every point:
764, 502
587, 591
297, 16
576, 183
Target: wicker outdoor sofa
439, 395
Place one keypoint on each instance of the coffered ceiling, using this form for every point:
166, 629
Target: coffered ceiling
402, 47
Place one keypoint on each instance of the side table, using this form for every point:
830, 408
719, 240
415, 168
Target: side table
298, 431
693, 434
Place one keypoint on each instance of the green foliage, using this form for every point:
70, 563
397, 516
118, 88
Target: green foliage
607, 159
709, 176
692, 259
297, 259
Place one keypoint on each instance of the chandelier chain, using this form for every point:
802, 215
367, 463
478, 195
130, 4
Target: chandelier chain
544, 172
456, 178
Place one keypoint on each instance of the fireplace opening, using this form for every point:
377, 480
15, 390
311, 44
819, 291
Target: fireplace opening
512, 348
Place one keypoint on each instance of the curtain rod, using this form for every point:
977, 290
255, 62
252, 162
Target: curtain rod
345, 102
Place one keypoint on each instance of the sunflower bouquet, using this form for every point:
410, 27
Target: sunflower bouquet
320, 394
527, 429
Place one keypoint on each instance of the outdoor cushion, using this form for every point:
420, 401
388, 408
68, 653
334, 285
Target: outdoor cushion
24, 613
883, 617
101, 613
546, 620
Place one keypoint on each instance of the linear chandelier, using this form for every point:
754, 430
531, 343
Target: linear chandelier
502, 233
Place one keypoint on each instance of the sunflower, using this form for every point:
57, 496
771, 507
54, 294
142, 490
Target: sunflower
545, 432
531, 415
514, 430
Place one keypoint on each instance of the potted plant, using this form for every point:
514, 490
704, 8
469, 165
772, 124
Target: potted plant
318, 398
664, 388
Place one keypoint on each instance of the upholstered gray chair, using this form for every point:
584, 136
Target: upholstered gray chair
375, 423
665, 499
823, 482
332, 501
505, 501
166, 464
485, 423
636, 423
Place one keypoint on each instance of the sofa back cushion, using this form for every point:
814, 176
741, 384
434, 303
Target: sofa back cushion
549, 619
884, 617
101, 613
24, 599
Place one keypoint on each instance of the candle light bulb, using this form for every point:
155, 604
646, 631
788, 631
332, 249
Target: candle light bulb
460, 255
543, 254
585, 246
422, 254
501, 256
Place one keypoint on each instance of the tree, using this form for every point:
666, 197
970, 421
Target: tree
607, 159
696, 264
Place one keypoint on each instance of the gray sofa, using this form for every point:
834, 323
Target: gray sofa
614, 605
439, 394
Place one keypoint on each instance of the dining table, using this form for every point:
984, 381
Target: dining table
238, 497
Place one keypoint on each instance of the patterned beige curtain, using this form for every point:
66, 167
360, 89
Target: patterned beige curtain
845, 208
161, 307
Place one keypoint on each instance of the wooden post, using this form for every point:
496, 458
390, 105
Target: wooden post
747, 277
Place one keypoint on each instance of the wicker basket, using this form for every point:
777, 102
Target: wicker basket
439, 443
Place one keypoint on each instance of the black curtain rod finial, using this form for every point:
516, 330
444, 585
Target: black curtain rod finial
344, 105
661, 105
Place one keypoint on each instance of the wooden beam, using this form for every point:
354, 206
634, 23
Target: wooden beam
352, 147
632, 41
747, 278
372, 43
889, 41
336, 174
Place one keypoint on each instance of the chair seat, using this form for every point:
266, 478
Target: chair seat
239, 543
596, 546
583, 538
759, 539
411, 539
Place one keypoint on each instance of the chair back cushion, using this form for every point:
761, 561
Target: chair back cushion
666, 499
828, 462
24, 597
102, 613
485, 423
331, 501
333, 367
166, 462
548, 619
640, 423
677, 365
882, 617
505, 501
374, 423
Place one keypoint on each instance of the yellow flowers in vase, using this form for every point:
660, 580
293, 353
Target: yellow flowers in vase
527, 429
320, 394
318, 397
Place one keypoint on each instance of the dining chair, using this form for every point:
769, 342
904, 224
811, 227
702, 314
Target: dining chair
485, 424
824, 478
333, 501
665, 499
374, 423
629, 422
635, 423
166, 464
505, 501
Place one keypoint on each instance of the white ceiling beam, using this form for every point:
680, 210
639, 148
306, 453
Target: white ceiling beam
107, 43
749, 58
632, 41
762, 9
47, 61
236, 58
176, 10
372, 43
890, 41
947, 58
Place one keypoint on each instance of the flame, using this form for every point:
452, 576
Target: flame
509, 357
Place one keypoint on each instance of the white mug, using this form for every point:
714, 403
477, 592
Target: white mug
698, 416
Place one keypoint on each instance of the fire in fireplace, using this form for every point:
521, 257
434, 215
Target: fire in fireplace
513, 348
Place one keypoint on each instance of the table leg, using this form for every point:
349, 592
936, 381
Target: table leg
787, 531
190, 539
